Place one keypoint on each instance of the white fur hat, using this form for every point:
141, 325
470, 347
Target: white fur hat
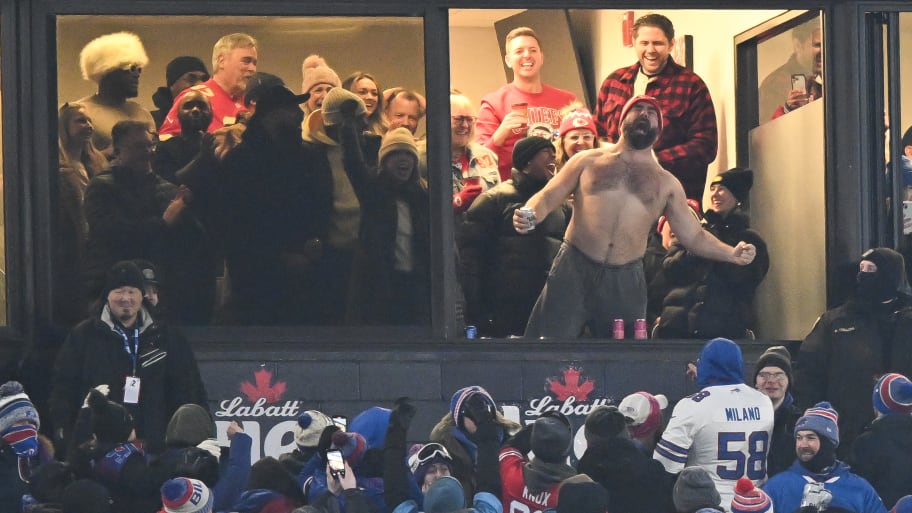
106, 53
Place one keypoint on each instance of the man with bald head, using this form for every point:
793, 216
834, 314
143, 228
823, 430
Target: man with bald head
619, 191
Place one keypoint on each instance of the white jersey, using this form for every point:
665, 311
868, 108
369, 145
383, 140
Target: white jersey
726, 430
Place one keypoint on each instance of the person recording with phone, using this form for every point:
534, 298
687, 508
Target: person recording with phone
799, 80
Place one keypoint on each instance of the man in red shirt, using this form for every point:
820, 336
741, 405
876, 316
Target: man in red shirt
234, 61
507, 113
689, 140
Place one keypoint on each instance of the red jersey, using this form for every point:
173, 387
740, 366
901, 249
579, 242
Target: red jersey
544, 107
225, 109
517, 498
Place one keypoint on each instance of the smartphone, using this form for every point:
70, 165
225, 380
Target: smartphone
341, 421
799, 82
336, 465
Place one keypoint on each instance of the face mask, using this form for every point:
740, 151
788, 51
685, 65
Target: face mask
23, 440
874, 287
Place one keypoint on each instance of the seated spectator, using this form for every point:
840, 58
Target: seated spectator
883, 452
368, 89
391, 268
404, 108
319, 78
643, 412
181, 73
577, 132
503, 271
694, 491
307, 431
709, 298
446, 495
21, 450
773, 376
458, 432
534, 485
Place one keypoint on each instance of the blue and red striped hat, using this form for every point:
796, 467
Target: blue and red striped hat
821, 419
893, 394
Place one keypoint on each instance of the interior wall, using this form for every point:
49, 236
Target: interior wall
475, 61
792, 221
905, 65
390, 48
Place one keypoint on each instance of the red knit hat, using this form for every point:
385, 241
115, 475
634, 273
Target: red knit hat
577, 118
643, 98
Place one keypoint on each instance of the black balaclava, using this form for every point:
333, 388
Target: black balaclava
885, 283
824, 459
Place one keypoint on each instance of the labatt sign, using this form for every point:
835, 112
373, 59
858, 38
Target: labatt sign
264, 416
568, 394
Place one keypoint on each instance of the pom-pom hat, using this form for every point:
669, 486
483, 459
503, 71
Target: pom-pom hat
352, 446
893, 394
749, 499
15, 406
309, 427
577, 118
644, 412
184, 495
316, 71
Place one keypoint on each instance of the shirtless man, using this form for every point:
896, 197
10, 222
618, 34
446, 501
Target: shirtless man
619, 191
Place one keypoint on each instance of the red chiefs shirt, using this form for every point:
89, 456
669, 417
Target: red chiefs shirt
517, 498
225, 109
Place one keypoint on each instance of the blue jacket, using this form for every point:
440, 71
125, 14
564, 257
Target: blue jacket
483, 502
850, 492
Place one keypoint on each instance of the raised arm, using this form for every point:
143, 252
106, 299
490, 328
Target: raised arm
553, 194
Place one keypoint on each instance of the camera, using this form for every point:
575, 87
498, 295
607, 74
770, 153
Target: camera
336, 464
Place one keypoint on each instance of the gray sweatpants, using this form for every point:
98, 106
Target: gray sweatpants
580, 290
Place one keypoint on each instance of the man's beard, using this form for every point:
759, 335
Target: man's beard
640, 134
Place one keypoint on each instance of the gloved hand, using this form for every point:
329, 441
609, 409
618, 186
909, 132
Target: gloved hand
326, 440
211, 446
522, 440
402, 414
479, 410
463, 199
104, 389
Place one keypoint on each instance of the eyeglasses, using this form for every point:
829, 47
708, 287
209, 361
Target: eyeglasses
427, 453
458, 120
778, 376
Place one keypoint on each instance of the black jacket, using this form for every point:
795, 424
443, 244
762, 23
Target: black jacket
502, 271
707, 298
93, 354
781, 453
883, 456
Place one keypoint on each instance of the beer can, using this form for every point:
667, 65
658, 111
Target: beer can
639, 329
471, 332
529, 214
618, 331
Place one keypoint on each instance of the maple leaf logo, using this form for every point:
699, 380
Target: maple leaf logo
570, 385
263, 389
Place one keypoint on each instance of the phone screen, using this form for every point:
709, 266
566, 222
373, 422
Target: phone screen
336, 466
341, 421
799, 82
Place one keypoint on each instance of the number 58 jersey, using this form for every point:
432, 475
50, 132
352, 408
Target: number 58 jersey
726, 430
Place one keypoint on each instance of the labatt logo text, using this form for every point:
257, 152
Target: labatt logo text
569, 407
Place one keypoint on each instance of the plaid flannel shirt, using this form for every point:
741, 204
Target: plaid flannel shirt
689, 140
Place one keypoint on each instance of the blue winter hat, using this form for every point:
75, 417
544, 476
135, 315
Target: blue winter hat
15, 406
444, 496
462, 395
720, 364
903, 505
371, 424
893, 394
184, 495
821, 419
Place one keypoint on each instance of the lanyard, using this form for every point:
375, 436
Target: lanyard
135, 353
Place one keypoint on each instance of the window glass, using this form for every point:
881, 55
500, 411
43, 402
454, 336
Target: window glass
789, 68
3, 289
266, 232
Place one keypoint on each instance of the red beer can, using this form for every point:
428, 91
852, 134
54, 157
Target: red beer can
618, 331
639, 329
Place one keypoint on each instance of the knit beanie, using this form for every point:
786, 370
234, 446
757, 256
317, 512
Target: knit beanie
580, 494
372, 424
86, 496
190, 425
903, 505
577, 118
444, 496
644, 412
352, 446
821, 419
694, 490
397, 139
643, 98
111, 422
551, 437
893, 394
123, 274
603, 423
457, 402
749, 499
15, 406
339, 103
183, 64
775, 356
315, 72
183, 495
309, 427
736, 180
109, 52
422, 456
526, 148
